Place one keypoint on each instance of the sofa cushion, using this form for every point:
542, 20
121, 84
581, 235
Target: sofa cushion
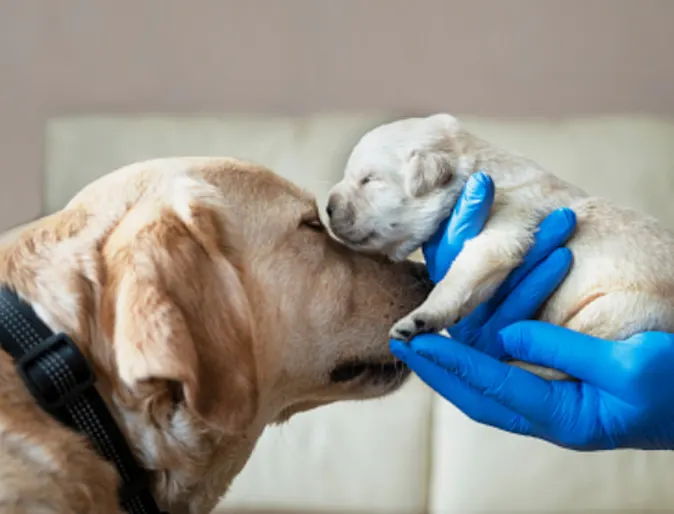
479, 470
364, 456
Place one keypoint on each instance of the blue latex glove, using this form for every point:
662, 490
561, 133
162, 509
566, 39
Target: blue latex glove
625, 396
466, 221
526, 288
624, 399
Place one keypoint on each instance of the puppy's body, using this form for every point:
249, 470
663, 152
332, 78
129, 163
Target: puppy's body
622, 279
191, 287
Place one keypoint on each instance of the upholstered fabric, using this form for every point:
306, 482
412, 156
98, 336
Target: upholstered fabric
309, 151
411, 452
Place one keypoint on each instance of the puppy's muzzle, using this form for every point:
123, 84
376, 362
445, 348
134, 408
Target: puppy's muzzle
341, 214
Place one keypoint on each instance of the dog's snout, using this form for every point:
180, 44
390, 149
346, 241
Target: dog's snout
420, 275
420, 272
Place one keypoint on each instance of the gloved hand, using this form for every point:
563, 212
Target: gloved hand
625, 397
526, 288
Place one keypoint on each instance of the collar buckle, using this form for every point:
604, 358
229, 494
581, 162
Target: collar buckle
55, 371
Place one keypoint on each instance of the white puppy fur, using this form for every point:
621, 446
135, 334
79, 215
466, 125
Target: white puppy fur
403, 178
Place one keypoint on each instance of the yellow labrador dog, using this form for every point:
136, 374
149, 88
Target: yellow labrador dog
209, 302
403, 178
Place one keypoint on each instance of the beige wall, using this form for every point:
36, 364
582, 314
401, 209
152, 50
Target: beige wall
489, 57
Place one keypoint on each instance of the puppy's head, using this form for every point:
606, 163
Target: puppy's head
401, 180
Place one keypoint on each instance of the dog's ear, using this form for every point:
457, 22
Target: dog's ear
180, 319
425, 171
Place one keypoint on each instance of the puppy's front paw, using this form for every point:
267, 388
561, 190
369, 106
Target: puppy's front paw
419, 322
404, 329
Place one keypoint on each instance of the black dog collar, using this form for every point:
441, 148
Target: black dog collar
62, 381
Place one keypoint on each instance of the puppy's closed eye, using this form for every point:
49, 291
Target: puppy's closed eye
367, 179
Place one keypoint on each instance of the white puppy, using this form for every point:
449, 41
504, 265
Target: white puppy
403, 178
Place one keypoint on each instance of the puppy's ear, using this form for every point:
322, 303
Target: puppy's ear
181, 318
425, 171
432, 164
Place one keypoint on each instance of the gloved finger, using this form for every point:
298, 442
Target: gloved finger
525, 301
566, 350
469, 330
519, 391
468, 217
479, 329
554, 231
473, 404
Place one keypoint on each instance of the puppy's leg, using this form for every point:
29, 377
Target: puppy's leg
618, 315
477, 272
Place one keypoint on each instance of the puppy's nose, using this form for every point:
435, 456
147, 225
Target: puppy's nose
332, 204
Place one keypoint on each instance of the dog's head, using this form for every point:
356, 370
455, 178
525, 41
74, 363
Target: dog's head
213, 302
400, 181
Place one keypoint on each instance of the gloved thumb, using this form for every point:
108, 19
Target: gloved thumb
560, 348
467, 220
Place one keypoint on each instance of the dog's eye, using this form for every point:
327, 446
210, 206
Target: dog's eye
314, 224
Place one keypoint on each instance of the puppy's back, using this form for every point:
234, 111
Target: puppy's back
622, 278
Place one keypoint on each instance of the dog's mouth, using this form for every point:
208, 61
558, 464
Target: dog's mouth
387, 372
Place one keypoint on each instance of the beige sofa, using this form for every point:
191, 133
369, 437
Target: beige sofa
411, 452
